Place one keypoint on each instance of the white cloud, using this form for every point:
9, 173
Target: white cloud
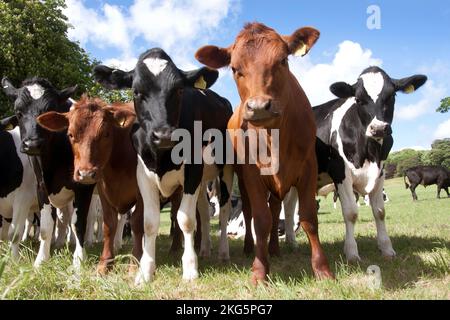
431, 94
176, 26
443, 130
348, 63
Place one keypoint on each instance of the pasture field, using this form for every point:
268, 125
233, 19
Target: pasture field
420, 233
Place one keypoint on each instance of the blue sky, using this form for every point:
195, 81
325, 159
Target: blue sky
414, 38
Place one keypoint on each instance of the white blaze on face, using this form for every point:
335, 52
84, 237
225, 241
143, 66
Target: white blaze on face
373, 83
36, 91
155, 65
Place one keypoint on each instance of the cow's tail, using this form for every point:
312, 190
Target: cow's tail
404, 179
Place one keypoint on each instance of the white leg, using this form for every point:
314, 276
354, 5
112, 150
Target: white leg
350, 213
99, 224
79, 254
63, 218
377, 203
289, 204
150, 195
187, 222
27, 230
20, 214
90, 222
203, 209
46, 232
122, 220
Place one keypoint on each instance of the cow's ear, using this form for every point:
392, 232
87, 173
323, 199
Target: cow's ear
113, 78
342, 90
8, 123
302, 40
122, 118
66, 93
214, 57
202, 78
53, 121
410, 84
9, 89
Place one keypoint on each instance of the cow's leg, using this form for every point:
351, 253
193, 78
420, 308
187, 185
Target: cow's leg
275, 208
27, 229
5, 230
20, 214
177, 240
306, 189
413, 191
226, 184
289, 203
137, 226
187, 222
203, 209
90, 224
46, 231
62, 224
110, 217
446, 190
150, 197
118, 237
350, 213
249, 242
439, 187
377, 204
99, 219
79, 217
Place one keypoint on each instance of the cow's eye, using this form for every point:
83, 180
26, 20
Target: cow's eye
180, 92
284, 62
70, 136
237, 72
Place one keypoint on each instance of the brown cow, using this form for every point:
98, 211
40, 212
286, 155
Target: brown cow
272, 98
104, 154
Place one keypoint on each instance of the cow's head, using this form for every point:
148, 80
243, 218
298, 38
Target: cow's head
259, 61
158, 87
35, 97
91, 126
374, 94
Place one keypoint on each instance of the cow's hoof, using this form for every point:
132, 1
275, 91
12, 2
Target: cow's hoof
324, 274
388, 254
190, 275
353, 258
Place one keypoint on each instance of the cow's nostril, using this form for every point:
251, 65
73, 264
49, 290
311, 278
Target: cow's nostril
268, 105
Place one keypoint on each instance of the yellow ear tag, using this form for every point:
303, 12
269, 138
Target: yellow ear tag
200, 83
121, 121
409, 89
9, 127
302, 50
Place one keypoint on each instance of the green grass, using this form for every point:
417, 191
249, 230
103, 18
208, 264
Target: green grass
420, 233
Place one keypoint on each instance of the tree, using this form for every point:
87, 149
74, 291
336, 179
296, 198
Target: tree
33, 38
445, 105
440, 153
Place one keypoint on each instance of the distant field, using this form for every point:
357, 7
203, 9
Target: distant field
420, 233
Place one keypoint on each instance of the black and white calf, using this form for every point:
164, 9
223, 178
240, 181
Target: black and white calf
165, 99
354, 137
53, 160
17, 185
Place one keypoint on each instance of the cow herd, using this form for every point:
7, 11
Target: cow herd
56, 152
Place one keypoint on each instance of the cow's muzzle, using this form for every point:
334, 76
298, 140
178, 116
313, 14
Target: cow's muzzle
86, 176
260, 109
162, 139
379, 130
31, 147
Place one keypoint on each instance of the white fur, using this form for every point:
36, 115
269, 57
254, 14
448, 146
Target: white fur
155, 65
36, 91
45, 235
373, 83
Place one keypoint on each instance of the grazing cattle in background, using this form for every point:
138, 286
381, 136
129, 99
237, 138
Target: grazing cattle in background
354, 137
165, 99
271, 98
104, 156
52, 160
426, 176
17, 185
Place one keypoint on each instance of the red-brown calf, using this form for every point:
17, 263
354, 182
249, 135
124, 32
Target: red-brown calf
272, 98
104, 154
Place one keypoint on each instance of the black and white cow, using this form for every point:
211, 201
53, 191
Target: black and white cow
354, 137
53, 160
17, 185
165, 99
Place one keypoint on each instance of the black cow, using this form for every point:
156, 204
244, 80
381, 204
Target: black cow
354, 138
167, 98
52, 160
426, 176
